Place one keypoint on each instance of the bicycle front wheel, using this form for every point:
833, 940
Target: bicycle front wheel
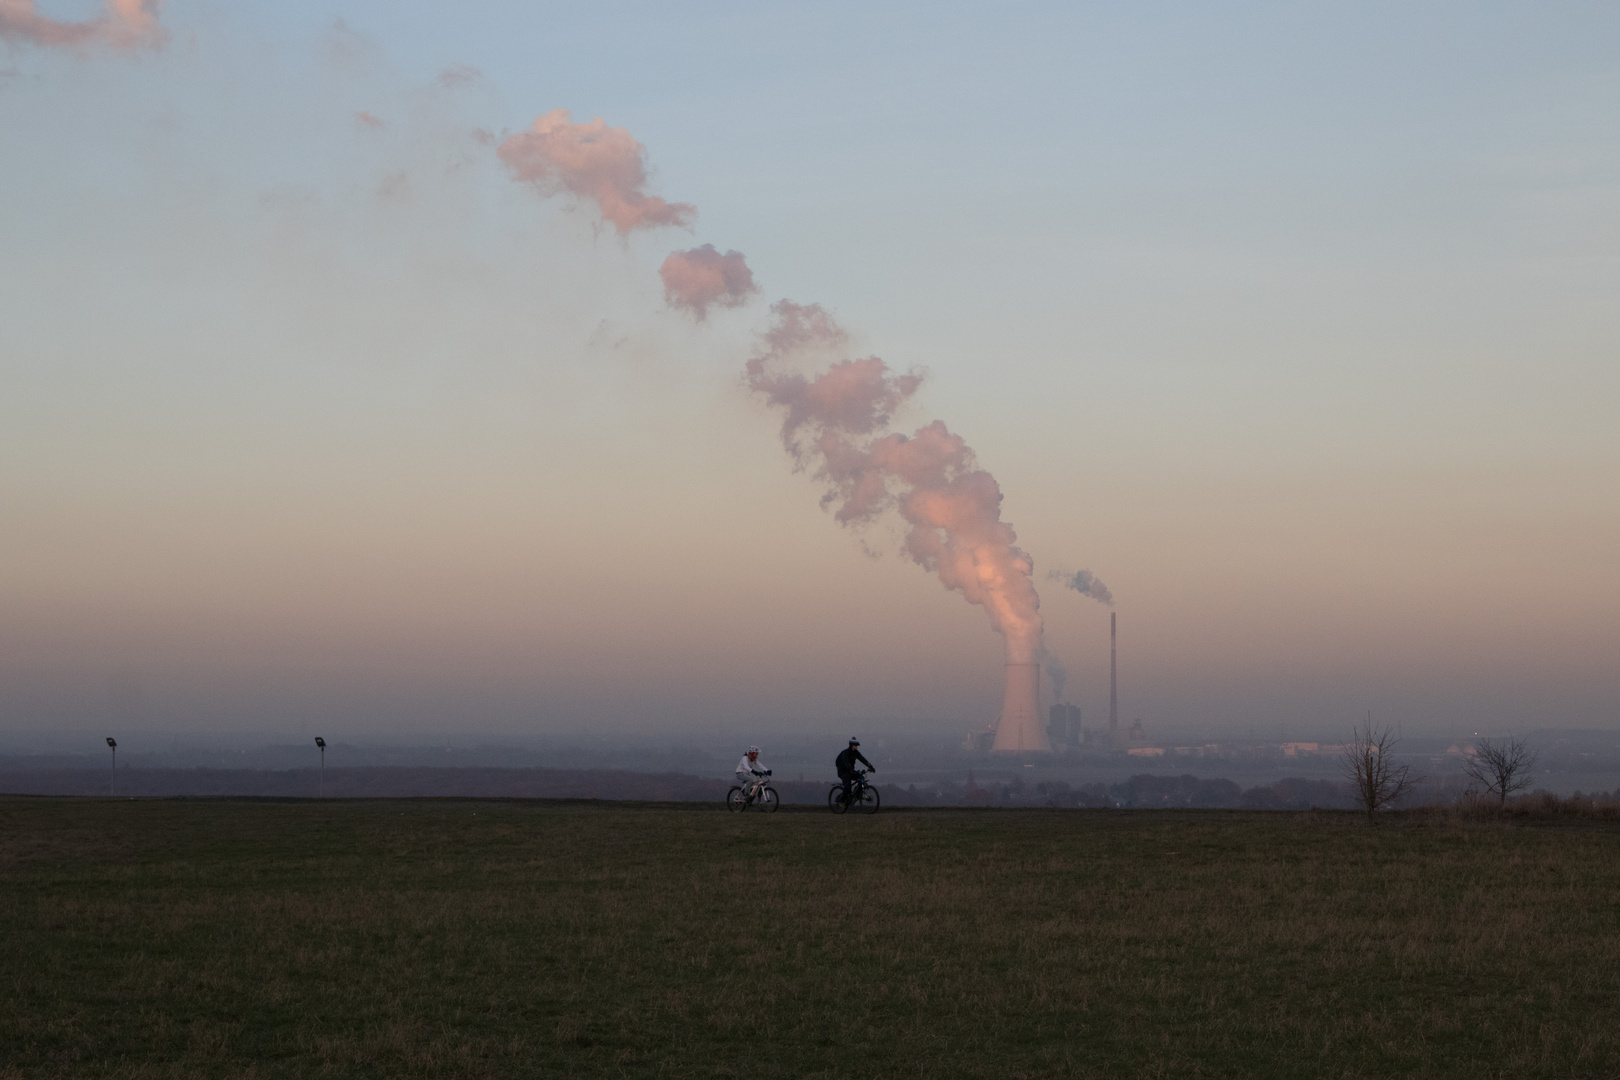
736, 800
767, 801
835, 799
869, 800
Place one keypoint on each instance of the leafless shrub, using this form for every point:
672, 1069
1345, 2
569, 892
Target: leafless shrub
1369, 766
1502, 767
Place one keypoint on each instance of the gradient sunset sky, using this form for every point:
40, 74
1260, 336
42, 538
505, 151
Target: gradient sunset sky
1297, 325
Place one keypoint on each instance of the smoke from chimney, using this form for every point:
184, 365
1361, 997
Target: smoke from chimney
1113, 679
1085, 583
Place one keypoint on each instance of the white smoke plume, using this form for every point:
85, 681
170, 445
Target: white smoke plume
702, 276
126, 25
836, 419
835, 425
592, 161
1085, 583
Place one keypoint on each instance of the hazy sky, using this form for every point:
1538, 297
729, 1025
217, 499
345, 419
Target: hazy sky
1294, 324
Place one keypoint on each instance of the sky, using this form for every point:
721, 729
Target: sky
1293, 324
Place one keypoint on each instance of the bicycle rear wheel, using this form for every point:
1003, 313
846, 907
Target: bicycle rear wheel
767, 801
835, 799
736, 800
869, 800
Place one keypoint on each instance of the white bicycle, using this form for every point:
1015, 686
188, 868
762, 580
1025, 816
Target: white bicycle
759, 793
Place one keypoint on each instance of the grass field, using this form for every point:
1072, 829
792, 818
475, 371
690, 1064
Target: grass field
382, 939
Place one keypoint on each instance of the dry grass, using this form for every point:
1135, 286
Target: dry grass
180, 938
1539, 806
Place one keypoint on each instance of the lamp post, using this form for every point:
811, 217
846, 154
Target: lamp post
112, 744
320, 742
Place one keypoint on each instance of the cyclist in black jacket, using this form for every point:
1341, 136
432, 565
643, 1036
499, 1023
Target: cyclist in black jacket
845, 764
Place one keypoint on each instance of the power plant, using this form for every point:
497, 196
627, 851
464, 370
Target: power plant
1020, 729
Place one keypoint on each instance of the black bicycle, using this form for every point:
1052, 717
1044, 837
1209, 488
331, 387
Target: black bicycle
759, 793
862, 796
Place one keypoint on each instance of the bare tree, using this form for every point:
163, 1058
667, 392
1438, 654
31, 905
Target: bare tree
1368, 764
1503, 767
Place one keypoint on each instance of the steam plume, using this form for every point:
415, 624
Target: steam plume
835, 425
126, 25
702, 276
593, 161
1085, 583
835, 420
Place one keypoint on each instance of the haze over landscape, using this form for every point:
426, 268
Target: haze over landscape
340, 397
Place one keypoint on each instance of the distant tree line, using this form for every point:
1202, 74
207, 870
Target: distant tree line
1144, 791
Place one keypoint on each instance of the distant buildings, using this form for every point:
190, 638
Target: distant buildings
1067, 735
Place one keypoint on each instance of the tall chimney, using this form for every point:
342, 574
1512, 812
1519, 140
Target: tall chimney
1020, 729
1113, 679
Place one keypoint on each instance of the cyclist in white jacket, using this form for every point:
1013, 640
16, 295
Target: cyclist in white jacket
750, 771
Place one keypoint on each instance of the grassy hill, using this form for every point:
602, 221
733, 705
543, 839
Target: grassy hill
457, 938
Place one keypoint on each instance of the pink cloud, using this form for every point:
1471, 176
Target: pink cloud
702, 276
592, 161
852, 397
126, 25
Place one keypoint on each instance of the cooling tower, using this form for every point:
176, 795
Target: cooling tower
1020, 729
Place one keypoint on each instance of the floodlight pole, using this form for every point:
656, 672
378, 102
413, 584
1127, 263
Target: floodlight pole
112, 744
320, 742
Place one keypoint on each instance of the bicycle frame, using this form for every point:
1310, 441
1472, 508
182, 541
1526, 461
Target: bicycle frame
858, 787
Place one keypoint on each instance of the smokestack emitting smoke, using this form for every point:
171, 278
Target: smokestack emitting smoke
126, 24
1085, 583
836, 418
1113, 678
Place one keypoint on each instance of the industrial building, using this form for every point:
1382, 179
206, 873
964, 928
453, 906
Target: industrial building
1063, 728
